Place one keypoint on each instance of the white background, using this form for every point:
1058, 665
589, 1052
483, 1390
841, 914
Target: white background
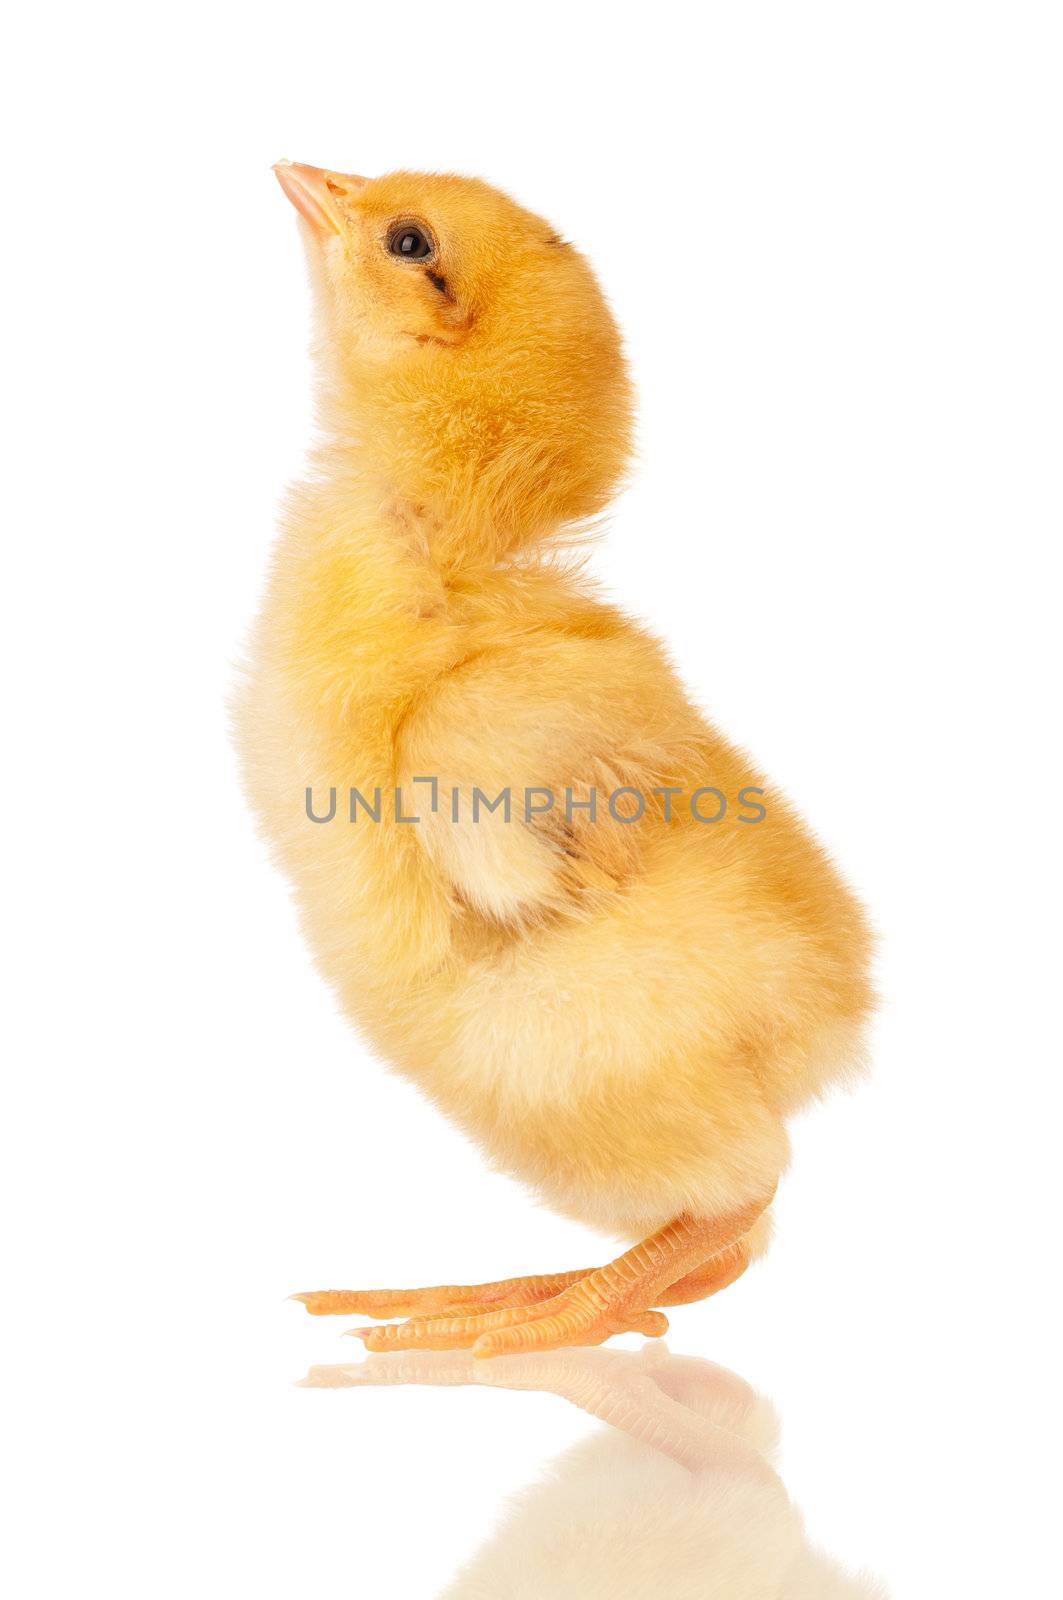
832, 235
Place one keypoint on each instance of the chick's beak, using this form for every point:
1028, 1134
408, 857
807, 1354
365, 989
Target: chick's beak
314, 192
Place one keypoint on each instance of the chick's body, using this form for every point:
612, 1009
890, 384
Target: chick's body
621, 1008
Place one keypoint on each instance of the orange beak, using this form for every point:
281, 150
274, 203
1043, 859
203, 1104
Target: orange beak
314, 192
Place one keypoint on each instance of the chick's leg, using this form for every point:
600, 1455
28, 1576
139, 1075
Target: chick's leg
723, 1269
613, 1299
684, 1261
718, 1273
466, 1299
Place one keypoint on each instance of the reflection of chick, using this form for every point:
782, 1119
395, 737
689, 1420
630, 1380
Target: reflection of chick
686, 1505
621, 1008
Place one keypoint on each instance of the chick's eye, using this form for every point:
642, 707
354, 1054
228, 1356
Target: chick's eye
412, 243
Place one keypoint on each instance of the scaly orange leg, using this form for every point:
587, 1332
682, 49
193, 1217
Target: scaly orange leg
723, 1269
452, 1300
677, 1261
707, 1280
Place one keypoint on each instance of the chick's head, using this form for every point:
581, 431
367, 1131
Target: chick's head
468, 350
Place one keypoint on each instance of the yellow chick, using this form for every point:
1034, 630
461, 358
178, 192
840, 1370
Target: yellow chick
604, 947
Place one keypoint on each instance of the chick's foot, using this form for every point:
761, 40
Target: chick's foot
686, 1260
452, 1300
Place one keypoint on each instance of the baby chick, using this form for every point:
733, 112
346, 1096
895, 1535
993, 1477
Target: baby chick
619, 997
